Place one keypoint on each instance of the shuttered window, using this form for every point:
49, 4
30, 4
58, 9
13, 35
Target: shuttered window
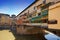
52, 22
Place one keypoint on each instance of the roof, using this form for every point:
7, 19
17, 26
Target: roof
4, 14
27, 7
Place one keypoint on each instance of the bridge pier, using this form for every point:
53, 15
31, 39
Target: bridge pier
30, 30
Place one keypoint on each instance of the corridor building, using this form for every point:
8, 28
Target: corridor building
39, 12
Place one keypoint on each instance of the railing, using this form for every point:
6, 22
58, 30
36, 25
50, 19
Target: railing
38, 17
40, 25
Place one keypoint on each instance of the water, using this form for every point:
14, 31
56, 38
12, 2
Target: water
7, 35
51, 36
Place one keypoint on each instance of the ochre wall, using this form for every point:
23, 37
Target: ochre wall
5, 20
54, 13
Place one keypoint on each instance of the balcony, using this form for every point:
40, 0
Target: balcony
38, 17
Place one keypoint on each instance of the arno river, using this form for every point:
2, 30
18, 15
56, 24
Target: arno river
8, 35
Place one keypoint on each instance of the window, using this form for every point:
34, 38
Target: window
18, 26
44, 20
47, 5
52, 22
30, 15
45, 12
38, 7
44, 2
25, 14
34, 7
26, 21
39, 14
24, 18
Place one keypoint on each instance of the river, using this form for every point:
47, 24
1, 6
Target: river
7, 35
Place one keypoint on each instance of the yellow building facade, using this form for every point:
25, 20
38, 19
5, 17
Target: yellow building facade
54, 16
5, 19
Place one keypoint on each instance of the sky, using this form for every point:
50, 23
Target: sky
14, 6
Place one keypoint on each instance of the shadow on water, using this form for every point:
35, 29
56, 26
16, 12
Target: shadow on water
48, 36
29, 37
3, 27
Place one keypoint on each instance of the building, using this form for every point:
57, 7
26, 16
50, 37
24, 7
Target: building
39, 12
13, 22
5, 20
54, 19
13, 19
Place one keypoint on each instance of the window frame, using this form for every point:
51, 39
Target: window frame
52, 22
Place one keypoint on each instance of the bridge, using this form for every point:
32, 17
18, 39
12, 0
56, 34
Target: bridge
49, 20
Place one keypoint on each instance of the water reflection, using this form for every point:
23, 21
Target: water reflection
48, 36
27, 37
51, 36
6, 33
